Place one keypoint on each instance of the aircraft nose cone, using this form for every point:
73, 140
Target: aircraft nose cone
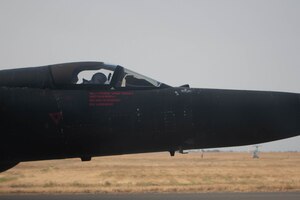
234, 118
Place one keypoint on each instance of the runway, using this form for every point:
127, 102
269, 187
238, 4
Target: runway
206, 196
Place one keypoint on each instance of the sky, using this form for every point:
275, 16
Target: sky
232, 44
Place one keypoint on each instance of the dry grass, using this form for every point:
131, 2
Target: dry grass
222, 172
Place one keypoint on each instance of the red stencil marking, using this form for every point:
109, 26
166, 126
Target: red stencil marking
56, 117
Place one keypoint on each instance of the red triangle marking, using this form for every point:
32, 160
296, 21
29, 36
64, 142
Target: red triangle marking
56, 117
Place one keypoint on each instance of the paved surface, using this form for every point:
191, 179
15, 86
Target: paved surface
209, 196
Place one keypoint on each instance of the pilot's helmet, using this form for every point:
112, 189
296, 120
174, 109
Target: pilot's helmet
99, 78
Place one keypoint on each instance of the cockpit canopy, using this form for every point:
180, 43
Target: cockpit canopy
100, 74
77, 75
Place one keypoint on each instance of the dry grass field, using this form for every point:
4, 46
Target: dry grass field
157, 172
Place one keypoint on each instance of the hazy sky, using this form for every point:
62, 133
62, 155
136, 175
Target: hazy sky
233, 44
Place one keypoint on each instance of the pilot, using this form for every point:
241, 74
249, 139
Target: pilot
98, 78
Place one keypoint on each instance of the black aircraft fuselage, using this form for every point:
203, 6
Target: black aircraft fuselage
89, 109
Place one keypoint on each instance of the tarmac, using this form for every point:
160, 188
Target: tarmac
173, 196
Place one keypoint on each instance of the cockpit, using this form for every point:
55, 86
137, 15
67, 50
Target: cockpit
98, 74
76, 76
